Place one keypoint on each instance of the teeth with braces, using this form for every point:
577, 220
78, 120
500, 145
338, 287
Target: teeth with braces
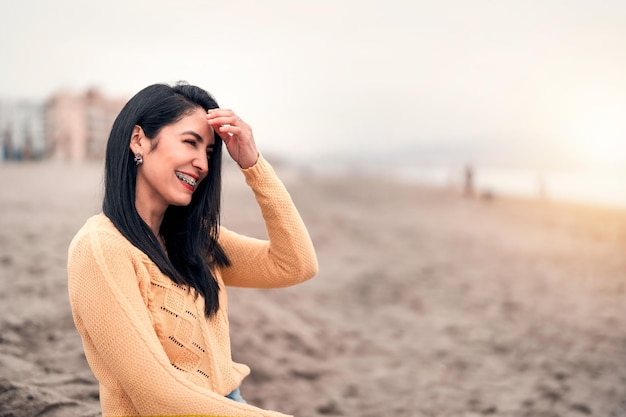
186, 179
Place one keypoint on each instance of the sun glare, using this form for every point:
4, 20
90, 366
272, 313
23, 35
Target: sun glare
599, 131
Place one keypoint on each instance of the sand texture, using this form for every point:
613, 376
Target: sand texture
426, 304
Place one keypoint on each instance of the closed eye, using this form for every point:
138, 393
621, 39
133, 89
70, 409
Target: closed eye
191, 142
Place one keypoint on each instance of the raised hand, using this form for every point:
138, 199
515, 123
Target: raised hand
236, 134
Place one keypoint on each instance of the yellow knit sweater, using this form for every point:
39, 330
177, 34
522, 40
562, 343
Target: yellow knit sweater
147, 339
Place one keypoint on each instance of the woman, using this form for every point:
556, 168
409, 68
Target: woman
147, 276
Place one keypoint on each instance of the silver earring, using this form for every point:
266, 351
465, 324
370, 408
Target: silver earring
138, 158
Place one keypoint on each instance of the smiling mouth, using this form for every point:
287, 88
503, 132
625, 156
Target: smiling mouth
187, 179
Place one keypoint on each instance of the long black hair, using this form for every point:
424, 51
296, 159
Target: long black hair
190, 232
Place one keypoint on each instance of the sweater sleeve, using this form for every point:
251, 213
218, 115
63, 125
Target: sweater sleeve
110, 312
288, 257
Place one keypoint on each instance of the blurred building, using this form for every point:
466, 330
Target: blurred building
21, 130
77, 126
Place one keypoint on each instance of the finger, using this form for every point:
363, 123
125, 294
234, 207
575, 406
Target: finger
228, 130
224, 120
215, 113
220, 112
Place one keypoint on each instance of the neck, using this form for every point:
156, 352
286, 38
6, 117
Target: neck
152, 218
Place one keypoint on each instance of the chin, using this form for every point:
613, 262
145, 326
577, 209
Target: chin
181, 202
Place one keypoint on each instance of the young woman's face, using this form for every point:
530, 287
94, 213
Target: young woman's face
172, 170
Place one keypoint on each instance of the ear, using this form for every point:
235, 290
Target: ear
137, 139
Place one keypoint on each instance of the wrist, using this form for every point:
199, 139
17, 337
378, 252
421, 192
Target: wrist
249, 160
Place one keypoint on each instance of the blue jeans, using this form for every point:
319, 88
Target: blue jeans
236, 396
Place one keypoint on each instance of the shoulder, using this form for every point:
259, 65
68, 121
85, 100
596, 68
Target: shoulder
223, 233
100, 234
228, 237
96, 227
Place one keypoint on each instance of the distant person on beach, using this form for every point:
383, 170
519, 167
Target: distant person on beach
147, 276
468, 181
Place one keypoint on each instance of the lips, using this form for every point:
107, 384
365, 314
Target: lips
187, 179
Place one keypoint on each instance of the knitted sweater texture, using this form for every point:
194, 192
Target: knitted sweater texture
147, 339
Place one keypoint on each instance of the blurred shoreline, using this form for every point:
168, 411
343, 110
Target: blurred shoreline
577, 185
574, 186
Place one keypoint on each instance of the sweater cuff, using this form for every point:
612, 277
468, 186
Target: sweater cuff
258, 171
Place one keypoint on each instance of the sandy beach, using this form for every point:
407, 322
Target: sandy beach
427, 303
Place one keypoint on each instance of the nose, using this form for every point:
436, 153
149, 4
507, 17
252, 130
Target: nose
201, 162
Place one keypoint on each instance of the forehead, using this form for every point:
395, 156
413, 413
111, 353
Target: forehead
195, 122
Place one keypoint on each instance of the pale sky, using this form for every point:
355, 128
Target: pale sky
322, 77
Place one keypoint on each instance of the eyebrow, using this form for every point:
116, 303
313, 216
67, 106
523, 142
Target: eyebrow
197, 136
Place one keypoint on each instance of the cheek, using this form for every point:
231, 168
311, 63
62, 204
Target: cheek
158, 171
